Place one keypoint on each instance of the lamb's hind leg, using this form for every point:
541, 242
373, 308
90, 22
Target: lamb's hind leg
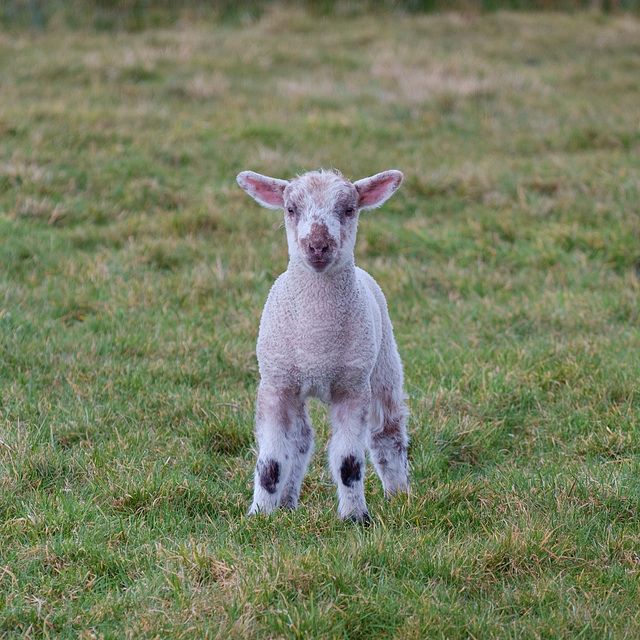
388, 440
280, 465
302, 448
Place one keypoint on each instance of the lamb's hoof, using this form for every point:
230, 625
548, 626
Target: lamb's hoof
255, 510
359, 518
396, 491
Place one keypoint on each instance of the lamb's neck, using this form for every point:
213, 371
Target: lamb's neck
336, 285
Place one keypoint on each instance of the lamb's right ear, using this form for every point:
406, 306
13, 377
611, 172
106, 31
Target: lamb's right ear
263, 189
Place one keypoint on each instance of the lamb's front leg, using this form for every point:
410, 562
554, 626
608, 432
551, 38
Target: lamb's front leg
349, 415
277, 413
273, 421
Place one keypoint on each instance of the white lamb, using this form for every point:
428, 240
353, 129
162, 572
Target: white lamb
326, 333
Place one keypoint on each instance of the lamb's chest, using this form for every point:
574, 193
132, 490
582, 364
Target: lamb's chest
318, 356
321, 337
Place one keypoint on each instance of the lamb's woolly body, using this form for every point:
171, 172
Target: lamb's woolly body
325, 332
319, 330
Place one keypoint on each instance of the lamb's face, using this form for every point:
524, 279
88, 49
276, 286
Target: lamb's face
321, 218
321, 211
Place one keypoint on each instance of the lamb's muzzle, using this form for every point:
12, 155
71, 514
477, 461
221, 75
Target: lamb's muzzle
325, 332
320, 246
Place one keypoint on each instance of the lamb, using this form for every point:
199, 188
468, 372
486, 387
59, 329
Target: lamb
325, 332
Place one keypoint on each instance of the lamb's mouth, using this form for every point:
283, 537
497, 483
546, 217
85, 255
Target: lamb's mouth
319, 265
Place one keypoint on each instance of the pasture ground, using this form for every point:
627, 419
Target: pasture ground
132, 275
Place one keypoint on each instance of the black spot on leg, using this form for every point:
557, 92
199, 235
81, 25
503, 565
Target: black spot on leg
350, 471
269, 475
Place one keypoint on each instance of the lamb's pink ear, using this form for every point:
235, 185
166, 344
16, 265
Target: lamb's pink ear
375, 190
265, 190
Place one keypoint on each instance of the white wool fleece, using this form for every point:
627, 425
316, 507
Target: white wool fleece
326, 333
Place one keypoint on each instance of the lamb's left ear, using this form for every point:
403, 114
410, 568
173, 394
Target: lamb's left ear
375, 190
265, 190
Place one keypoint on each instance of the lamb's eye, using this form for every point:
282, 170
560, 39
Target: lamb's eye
349, 211
291, 211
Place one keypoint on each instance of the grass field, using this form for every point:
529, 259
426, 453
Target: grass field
132, 275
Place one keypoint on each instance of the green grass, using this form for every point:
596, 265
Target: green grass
132, 275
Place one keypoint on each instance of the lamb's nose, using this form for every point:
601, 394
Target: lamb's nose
318, 248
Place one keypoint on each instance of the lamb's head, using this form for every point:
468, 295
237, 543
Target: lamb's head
321, 211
